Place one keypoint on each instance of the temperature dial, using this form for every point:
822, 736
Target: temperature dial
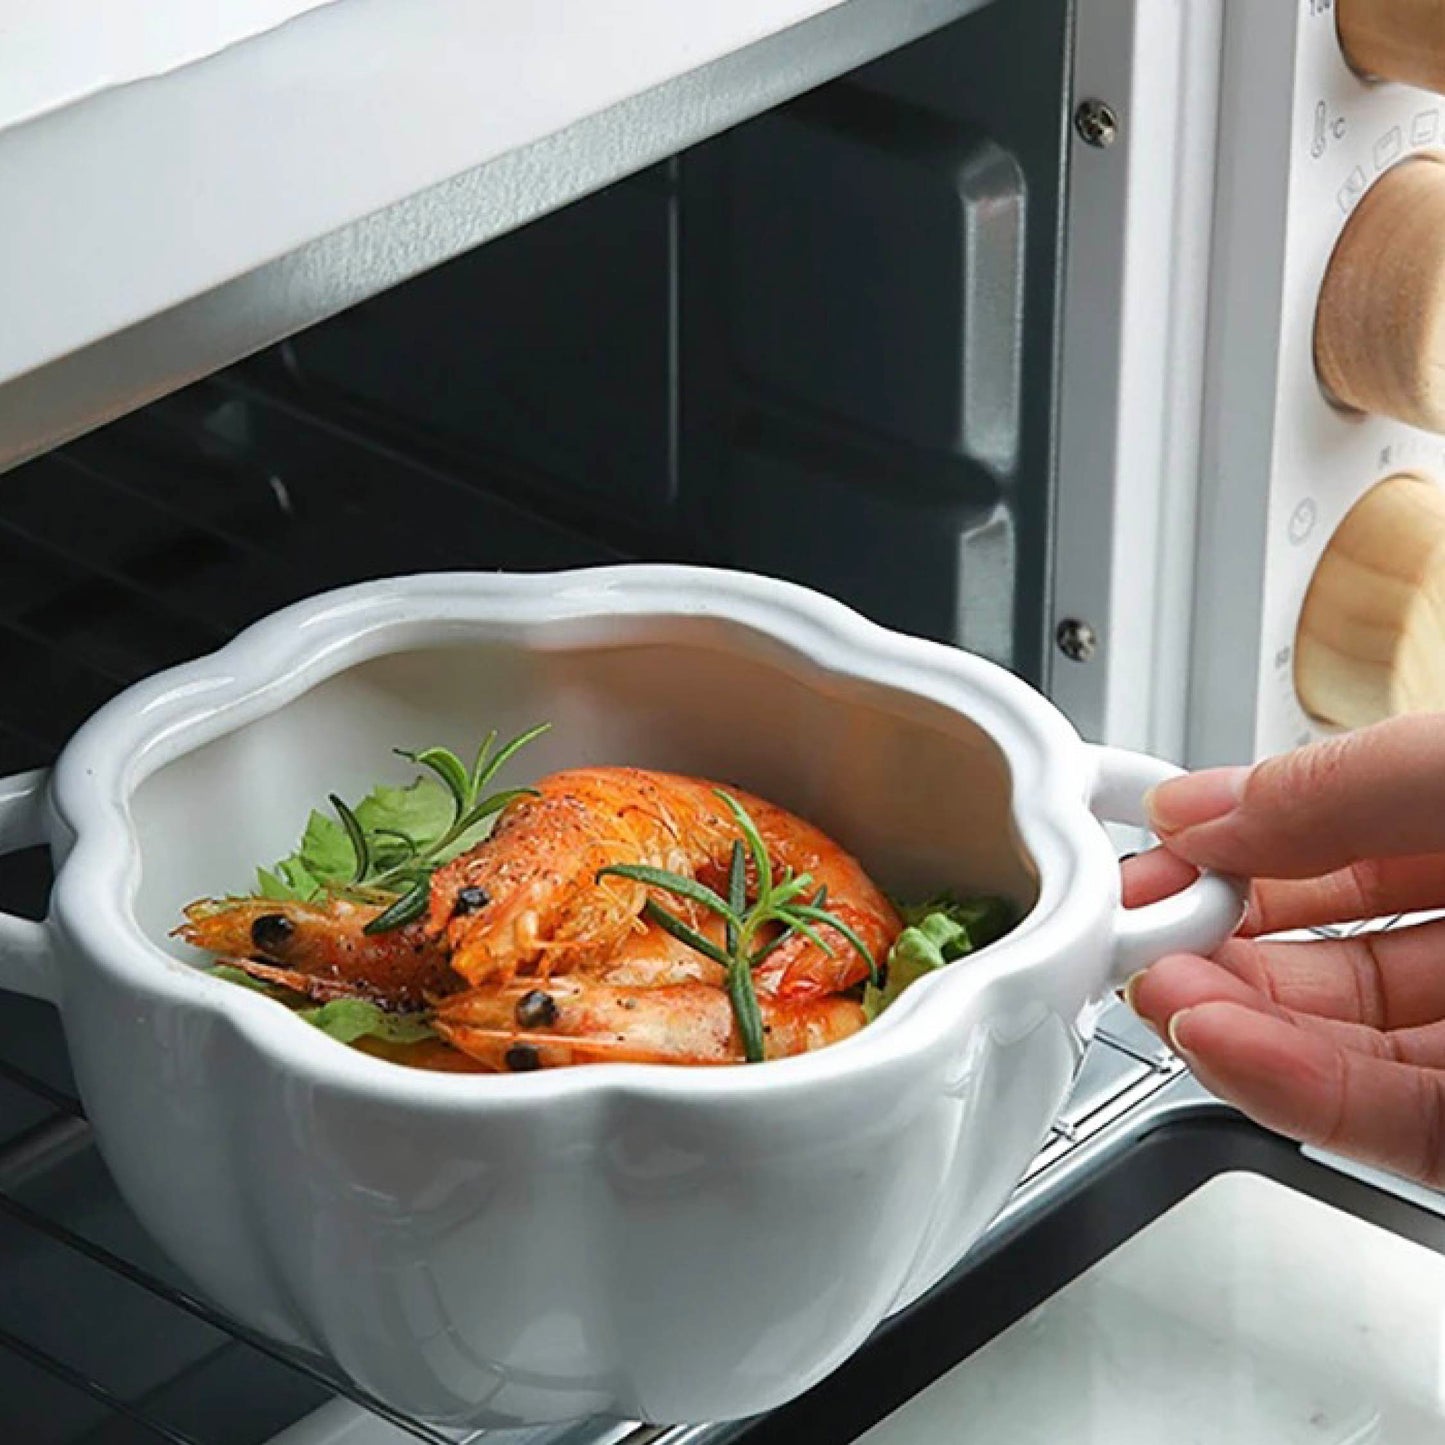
1380, 323
1371, 637
1400, 40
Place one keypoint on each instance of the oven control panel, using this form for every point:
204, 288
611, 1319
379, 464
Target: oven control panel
1321, 565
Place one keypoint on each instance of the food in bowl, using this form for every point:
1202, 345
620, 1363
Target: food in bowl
600, 914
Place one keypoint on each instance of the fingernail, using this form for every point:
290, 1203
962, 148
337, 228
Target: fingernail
1173, 1031
1248, 924
1130, 984
1194, 799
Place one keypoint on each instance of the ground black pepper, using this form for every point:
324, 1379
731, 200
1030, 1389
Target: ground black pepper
470, 899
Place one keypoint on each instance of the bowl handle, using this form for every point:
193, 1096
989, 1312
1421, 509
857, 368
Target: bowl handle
1197, 919
27, 958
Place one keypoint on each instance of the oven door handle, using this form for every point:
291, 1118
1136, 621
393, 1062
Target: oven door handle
1195, 920
27, 950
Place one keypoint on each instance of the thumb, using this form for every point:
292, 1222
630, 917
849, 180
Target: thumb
1376, 793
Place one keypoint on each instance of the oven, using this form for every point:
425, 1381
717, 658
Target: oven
1057, 330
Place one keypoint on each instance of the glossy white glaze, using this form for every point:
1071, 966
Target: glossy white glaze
658, 1243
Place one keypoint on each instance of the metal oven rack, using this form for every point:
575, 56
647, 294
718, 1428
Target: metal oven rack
101, 1341
132, 549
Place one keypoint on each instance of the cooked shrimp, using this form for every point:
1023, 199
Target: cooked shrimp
579, 1019
529, 894
796, 968
315, 986
799, 969
530, 960
528, 898
651, 958
321, 949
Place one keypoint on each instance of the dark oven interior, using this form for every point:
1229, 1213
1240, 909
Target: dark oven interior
821, 346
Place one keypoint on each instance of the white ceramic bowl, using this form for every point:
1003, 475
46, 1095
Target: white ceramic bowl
658, 1243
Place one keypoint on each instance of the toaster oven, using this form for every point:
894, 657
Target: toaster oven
1094, 336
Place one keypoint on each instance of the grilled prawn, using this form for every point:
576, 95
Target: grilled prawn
528, 898
582, 1019
322, 950
530, 959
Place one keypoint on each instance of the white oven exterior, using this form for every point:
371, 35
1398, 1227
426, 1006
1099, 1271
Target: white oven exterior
1190, 427
1203, 468
1134, 328
1200, 469
1303, 140
361, 143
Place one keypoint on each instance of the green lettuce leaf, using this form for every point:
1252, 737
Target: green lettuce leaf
985, 917
344, 1019
935, 934
349, 1019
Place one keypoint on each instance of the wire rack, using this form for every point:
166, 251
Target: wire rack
147, 543
140, 546
101, 1340
152, 541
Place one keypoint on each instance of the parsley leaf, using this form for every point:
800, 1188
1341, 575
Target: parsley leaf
397, 820
386, 848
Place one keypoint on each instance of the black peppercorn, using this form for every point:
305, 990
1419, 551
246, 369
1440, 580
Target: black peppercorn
271, 931
470, 899
522, 1059
536, 1010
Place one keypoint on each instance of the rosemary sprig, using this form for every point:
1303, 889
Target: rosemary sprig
779, 900
410, 875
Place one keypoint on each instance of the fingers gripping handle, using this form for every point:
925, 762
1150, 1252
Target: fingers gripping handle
26, 955
1196, 920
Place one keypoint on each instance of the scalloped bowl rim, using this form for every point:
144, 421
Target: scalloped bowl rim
284, 655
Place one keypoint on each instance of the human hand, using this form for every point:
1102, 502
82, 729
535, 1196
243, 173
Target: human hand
1335, 1042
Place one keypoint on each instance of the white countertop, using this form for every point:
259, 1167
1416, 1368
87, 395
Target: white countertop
186, 182
1247, 1315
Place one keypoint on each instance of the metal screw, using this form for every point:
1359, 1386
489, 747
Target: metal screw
1077, 640
1096, 123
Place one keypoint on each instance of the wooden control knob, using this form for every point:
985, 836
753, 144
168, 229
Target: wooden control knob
1380, 323
1371, 637
1400, 40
